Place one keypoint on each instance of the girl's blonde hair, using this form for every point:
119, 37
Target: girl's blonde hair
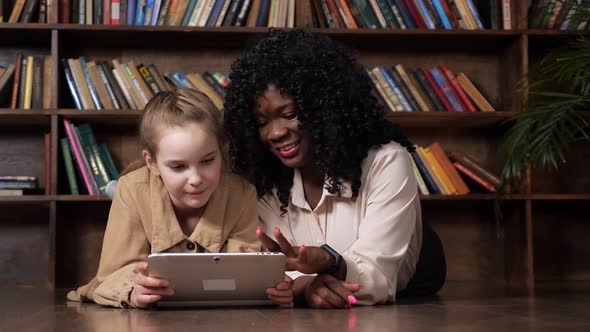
177, 108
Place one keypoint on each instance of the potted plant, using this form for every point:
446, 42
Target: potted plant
559, 91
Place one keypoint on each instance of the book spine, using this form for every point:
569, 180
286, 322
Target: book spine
91, 87
28, 83
110, 164
216, 12
440, 11
16, 82
67, 158
224, 10
432, 187
213, 83
88, 141
396, 90
405, 89
108, 86
458, 89
419, 179
241, 19
83, 166
438, 91
135, 82
406, 15
398, 15
506, 15
149, 80
232, 13
473, 10
474, 177
72, 84
372, 73
446, 89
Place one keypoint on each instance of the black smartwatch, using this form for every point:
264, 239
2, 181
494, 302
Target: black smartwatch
337, 259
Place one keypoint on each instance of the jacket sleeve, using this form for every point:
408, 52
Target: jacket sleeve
124, 245
244, 230
384, 234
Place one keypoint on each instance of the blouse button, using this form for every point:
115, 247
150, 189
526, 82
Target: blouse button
190, 246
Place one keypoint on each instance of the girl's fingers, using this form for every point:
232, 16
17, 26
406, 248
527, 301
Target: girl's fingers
142, 268
283, 303
154, 290
279, 293
245, 248
143, 300
144, 281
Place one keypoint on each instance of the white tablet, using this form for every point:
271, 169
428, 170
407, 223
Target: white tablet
218, 279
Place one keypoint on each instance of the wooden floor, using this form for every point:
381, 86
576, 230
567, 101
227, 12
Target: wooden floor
459, 307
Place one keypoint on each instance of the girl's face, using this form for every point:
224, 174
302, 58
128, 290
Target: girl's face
189, 162
278, 128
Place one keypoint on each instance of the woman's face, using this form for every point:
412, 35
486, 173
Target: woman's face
278, 128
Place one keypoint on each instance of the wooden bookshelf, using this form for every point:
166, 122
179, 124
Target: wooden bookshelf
71, 227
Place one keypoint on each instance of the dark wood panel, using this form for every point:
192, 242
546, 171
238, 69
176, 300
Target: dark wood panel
572, 177
24, 244
79, 232
27, 35
469, 234
22, 152
562, 230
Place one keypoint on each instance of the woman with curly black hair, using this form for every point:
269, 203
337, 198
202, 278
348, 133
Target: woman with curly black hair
337, 192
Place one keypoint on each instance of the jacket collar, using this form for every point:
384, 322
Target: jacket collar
166, 231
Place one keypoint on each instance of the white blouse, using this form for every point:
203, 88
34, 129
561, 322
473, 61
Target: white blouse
379, 235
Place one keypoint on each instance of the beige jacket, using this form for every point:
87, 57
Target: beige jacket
142, 221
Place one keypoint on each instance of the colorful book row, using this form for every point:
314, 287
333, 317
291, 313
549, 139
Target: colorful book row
440, 173
426, 90
559, 14
124, 85
26, 84
86, 160
413, 14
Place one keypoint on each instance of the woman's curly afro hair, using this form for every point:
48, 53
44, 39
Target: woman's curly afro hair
334, 104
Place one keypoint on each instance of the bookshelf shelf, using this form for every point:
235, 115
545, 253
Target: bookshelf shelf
110, 117
559, 197
81, 198
9, 117
28, 199
473, 197
449, 119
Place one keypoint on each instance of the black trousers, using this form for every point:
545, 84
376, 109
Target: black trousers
431, 269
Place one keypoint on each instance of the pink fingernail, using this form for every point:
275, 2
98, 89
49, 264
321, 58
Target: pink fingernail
351, 299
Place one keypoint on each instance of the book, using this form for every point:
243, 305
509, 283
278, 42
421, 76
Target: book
470, 175
66, 153
474, 94
470, 163
448, 168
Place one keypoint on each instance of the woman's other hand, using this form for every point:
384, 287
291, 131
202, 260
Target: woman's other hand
327, 292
